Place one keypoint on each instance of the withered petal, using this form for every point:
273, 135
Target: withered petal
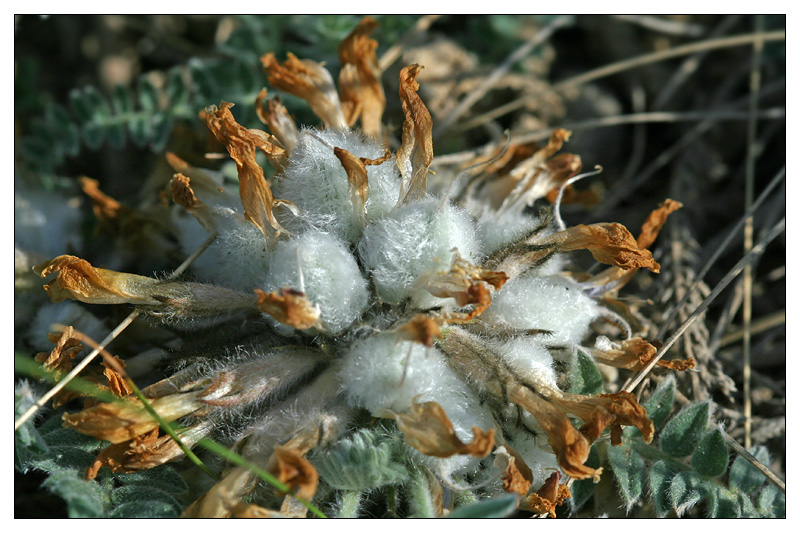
609, 243
652, 226
360, 79
415, 154
428, 430
290, 307
294, 470
357, 182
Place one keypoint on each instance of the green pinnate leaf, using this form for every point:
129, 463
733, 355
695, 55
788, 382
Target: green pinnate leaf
497, 507
685, 491
149, 98
682, 433
723, 503
161, 129
629, 470
744, 476
145, 509
69, 135
142, 493
659, 481
177, 92
772, 502
585, 378
710, 457
748, 510
163, 478
204, 84
84, 498
660, 402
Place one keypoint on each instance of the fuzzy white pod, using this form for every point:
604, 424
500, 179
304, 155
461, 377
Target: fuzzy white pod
372, 377
496, 232
552, 303
412, 240
238, 258
316, 182
531, 359
328, 273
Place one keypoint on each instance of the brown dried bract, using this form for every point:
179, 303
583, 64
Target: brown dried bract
310, 81
428, 430
463, 283
422, 329
609, 410
652, 226
635, 354
609, 243
115, 457
182, 193
241, 143
116, 382
517, 475
290, 307
280, 122
569, 445
291, 468
59, 360
357, 182
551, 495
415, 154
78, 280
122, 421
105, 208
360, 79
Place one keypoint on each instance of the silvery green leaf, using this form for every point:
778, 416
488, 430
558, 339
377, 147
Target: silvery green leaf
684, 430
629, 470
497, 507
744, 476
710, 457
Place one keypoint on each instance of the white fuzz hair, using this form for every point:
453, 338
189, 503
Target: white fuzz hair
322, 266
316, 182
412, 240
551, 303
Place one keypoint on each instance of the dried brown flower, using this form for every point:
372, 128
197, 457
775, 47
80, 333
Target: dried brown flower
517, 475
291, 468
415, 154
428, 430
290, 307
360, 84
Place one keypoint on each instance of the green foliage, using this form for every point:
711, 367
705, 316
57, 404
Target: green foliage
710, 458
367, 460
674, 483
497, 507
629, 470
585, 378
65, 455
684, 430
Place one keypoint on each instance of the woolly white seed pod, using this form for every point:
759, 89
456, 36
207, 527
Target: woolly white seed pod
316, 182
238, 259
373, 370
330, 277
496, 232
530, 359
552, 303
412, 240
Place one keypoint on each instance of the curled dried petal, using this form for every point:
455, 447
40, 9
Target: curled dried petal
78, 280
122, 421
416, 151
421, 328
360, 79
310, 81
608, 410
609, 243
517, 475
105, 208
652, 226
291, 468
428, 430
570, 446
633, 354
59, 360
254, 191
550, 496
116, 382
280, 122
358, 184
290, 307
